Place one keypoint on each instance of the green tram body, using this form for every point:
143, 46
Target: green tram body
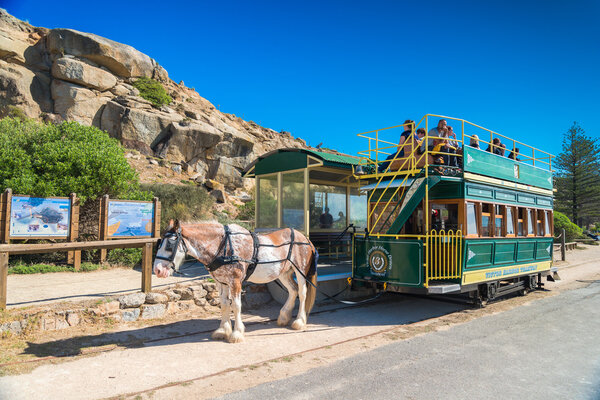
462, 243
485, 262
482, 259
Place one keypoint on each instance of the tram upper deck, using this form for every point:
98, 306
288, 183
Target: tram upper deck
386, 161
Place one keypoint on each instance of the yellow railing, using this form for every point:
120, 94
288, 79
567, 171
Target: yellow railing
379, 149
445, 255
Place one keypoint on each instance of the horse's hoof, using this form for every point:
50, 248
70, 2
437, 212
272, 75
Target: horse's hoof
298, 325
236, 337
283, 321
221, 334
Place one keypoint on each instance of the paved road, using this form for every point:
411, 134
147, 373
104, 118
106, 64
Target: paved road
549, 349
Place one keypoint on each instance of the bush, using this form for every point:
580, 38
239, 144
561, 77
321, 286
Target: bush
186, 203
572, 231
247, 211
152, 91
55, 160
125, 257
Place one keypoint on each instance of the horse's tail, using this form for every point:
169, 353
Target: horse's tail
311, 290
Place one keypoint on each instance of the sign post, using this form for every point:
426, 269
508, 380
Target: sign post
74, 257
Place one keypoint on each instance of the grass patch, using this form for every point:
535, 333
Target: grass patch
152, 91
24, 269
125, 257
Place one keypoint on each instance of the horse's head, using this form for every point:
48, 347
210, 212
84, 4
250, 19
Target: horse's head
171, 251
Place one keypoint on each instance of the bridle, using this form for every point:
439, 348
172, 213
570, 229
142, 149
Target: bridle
173, 239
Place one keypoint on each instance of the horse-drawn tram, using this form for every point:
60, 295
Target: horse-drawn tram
430, 210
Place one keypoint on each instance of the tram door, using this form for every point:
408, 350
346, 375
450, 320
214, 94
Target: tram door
445, 239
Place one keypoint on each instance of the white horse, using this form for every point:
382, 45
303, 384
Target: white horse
230, 253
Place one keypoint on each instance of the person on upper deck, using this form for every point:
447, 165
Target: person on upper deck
406, 135
494, 147
451, 136
514, 154
474, 142
409, 125
502, 149
433, 133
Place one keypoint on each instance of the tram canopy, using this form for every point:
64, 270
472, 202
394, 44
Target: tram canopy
308, 190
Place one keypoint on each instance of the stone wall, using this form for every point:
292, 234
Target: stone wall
182, 298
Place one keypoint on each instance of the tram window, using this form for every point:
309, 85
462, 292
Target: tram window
531, 223
327, 207
498, 217
444, 217
547, 223
521, 222
510, 224
540, 223
267, 200
358, 209
486, 216
472, 219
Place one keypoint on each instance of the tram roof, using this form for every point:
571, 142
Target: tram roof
293, 158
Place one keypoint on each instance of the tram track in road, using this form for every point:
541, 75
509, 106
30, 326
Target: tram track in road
108, 347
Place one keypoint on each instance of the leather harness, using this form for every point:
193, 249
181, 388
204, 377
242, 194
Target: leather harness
175, 238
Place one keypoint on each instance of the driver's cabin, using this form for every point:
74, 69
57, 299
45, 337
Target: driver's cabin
316, 193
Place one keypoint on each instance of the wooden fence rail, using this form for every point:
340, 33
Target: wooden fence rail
74, 247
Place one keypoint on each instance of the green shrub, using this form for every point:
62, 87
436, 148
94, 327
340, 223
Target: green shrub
13, 112
152, 91
186, 203
124, 257
572, 231
247, 211
55, 160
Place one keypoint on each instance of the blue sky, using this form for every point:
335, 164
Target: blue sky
330, 69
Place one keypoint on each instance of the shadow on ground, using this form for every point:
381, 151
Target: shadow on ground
389, 310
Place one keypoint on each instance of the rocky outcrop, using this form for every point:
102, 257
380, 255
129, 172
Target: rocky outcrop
63, 74
121, 59
71, 70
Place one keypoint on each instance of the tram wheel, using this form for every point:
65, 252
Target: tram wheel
492, 289
532, 282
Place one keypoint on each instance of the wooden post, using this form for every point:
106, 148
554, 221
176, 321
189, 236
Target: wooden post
156, 217
3, 279
5, 203
103, 225
147, 268
563, 248
74, 257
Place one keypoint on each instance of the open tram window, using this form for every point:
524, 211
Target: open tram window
472, 219
444, 217
486, 219
510, 222
540, 223
521, 221
548, 223
531, 222
498, 220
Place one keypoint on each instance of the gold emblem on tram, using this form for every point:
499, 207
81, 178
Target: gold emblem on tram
379, 260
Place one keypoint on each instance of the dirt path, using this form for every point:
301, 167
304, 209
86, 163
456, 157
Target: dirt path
195, 367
